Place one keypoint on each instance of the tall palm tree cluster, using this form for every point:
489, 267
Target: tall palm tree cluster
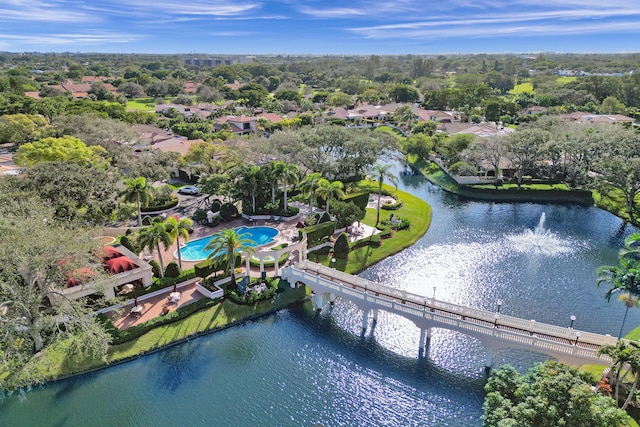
165, 232
624, 279
259, 184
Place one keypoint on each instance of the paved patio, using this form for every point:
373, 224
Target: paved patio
152, 307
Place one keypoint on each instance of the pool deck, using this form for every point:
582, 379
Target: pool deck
152, 307
287, 231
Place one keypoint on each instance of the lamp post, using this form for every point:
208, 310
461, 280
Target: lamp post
577, 338
495, 320
499, 302
573, 319
333, 263
434, 293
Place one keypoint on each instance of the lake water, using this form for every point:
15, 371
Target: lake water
300, 367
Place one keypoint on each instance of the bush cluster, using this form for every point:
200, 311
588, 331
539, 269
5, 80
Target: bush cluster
316, 233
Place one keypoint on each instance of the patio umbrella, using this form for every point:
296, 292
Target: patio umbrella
109, 252
120, 264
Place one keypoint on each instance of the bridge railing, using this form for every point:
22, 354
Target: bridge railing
339, 282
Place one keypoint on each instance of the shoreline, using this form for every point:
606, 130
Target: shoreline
417, 210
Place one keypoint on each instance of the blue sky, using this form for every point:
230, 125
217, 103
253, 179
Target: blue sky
320, 26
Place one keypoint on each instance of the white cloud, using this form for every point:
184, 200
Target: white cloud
35, 11
195, 7
338, 12
69, 39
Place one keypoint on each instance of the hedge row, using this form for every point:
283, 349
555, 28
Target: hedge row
122, 336
271, 263
392, 206
317, 233
209, 266
359, 199
173, 202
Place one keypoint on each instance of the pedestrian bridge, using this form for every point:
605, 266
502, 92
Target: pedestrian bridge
495, 330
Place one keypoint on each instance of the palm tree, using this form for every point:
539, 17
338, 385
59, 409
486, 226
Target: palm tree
379, 173
620, 354
250, 178
176, 228
623, 354
624, 277
309, 186
137, 190
274, 172
634, 366
327, 190
290, 175
151, 237
629, 302
226, 245
631, 247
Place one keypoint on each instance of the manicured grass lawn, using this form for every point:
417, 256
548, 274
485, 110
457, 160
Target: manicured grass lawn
414, 208
613, 201
58, 365
144, 104
55, 363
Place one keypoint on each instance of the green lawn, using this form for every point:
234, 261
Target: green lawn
144, 104
565, 80
414, 208
55, 364
522, 87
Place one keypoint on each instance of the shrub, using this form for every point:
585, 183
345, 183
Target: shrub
463, 169
163, 282
127, 243
316, 233
228, 212
401, 225
325, 217
172, 202
155, 268
346, 213
252, 297
341, 246
122, 336
359, 199
281, 260
200, 216
172, 270
216, 205
392, 206
291, 211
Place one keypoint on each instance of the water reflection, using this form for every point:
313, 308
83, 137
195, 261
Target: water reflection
301, 367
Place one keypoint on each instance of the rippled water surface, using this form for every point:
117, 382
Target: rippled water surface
300, 367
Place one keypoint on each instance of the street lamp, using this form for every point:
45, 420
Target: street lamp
434, 293
499, 302
333, 262
577, 338
496, 317
573, 319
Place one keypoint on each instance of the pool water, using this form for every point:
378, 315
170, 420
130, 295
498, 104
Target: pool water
195, 249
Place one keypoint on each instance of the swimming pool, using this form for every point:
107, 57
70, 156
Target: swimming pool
194, 250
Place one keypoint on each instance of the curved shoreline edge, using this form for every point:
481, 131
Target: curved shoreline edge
415, 207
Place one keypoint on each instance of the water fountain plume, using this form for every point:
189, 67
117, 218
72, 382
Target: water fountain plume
539, 241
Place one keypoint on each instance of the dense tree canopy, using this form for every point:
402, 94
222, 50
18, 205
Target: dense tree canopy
42, 255
549, 395
66, 149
